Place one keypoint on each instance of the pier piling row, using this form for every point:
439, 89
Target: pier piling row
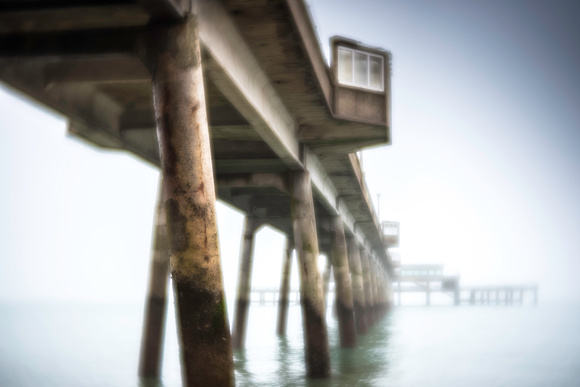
208, 92
156, 303
244, 282
284, 297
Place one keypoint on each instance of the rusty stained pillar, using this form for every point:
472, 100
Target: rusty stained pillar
358, 291
174, 59
284, 297
369, 300
342, 284
244, 282
156, 305
311, 296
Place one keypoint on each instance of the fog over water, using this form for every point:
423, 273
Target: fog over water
482, 173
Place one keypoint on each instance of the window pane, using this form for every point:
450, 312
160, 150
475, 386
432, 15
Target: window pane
344, 66
376, 76
361, 69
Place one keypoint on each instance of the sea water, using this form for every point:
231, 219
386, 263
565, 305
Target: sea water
98, 345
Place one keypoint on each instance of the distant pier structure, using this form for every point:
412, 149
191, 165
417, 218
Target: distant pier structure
429, 279
231, 100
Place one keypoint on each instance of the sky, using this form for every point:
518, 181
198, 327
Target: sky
482, 173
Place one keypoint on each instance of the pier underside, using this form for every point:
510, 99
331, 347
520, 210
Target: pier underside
230, 99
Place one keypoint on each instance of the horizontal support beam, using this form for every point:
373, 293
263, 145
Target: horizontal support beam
166, 9
97, 70
112, 41
278, 180
236, 73
226, 120
426, 278
27, 16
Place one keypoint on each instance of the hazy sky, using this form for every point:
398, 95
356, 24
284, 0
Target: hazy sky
483, 171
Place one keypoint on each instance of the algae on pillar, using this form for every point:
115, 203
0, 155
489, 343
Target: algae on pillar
174, 59
343, 288
244, 283
311, 297
156, 306
284, 297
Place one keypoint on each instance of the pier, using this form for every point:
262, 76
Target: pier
428, 279
231, 101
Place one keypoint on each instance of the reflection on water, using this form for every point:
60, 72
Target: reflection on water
98, 345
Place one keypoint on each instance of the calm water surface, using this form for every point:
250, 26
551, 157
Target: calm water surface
98, 345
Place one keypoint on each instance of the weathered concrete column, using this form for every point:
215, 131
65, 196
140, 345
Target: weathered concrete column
342, 285
369, 300
390, 291
311, 297
174, 59
358, 291
383, 292
284, 297
375, 288
156, 304
379, 292
326, 281
244, 283
399, 289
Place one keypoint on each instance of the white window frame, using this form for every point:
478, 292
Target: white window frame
368, 54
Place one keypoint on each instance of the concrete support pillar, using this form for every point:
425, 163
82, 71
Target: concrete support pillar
174, 59
284, 297
497, 297
376, 295
358, 291
399, 295
244, 283
326, 281
382, 292
156, 304
386, 290
391, 295
369, 300
379, 287
311, 296
456, 295
342, 285
428, 293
